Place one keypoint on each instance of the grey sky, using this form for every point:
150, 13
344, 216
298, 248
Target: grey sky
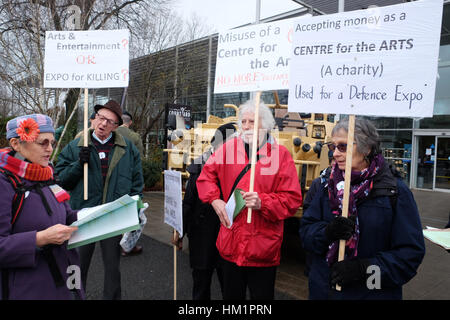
226, 14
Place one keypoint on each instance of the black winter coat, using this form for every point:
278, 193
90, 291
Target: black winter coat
390, 237
200, 222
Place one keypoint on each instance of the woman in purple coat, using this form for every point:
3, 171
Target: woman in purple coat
34, 260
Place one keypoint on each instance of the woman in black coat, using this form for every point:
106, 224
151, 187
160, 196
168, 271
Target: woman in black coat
384, 240
202, 224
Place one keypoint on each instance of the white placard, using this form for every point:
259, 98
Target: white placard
380, 61
230, 207
86, 59
173, 210
254, 58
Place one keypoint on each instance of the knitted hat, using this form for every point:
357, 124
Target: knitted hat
15, 127
112, 106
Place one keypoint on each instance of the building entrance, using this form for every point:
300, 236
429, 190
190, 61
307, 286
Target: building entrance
433, 162
442, 178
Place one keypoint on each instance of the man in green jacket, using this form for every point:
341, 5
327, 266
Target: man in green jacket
131, 135
114, 169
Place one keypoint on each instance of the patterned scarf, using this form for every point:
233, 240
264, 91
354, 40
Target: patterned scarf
24, 169
31, 172
361, 184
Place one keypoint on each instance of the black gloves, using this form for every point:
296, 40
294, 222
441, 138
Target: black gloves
84, 155
349, 272
340, 228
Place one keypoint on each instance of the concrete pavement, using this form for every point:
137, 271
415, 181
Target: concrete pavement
431, 282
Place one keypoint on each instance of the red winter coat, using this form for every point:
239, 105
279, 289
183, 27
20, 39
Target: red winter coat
256, 244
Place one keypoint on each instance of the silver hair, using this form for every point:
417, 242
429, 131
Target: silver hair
366, 136
126, 119
265, 114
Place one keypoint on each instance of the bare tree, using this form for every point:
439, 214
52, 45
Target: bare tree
194, 28
154, 29
22, 36
168, 71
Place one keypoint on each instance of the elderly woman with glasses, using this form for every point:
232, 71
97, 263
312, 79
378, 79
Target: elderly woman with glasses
34, 217
383, 233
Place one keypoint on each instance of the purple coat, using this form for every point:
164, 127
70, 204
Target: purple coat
28, 272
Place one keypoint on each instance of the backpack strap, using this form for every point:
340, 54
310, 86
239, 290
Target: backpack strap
19, 195
390, 192
38, 187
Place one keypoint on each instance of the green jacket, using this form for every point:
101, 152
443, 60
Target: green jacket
133, 137
124, 173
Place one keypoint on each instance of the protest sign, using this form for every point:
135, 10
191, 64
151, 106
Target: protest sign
173, 213
86, 59
380, 61
172, 200
254, 58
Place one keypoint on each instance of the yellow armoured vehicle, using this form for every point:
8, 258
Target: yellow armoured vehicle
304, 135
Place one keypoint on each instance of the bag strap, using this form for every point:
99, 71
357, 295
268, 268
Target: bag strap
243, 172
20, 190
47, 252
239, 177
19, 195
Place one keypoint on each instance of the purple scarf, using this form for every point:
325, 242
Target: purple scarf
361, 184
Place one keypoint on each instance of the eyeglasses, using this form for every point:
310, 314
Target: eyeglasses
342, 147
45, 143
108, 121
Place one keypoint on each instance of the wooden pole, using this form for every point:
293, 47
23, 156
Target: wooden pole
85, 136
347, 180
254, 150
174, 268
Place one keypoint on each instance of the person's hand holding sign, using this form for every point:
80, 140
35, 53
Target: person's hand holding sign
252, 200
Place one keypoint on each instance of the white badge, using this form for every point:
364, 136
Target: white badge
102, 155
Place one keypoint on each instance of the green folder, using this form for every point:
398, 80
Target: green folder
106, 221
240, 202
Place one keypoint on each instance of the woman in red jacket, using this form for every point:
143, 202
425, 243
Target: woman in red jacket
251, 251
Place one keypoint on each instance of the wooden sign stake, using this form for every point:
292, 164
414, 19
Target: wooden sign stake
254, 150
85, 136
174, 267
347, 180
